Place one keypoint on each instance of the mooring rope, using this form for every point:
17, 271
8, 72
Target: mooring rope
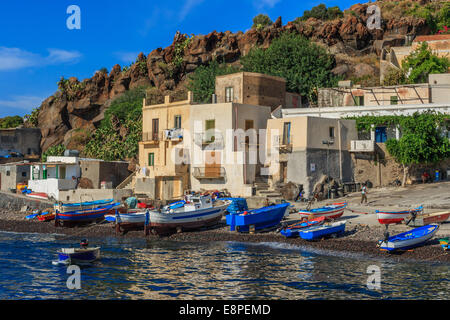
359, 212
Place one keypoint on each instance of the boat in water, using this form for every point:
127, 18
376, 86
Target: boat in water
77, 217
389, 217
257, 219
444, 243
332, 211
79, 256
293, 230
318, 232
410, 239
196, 212
429, 218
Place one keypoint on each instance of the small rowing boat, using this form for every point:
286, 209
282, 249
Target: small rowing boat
293, 230
79, 206
131, 219
389, 217
425, 219
410, 239
84, 216
332, 211
48, 216
79, 256
257, 219
323, 231
444, 243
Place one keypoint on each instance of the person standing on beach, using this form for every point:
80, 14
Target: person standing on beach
364, 193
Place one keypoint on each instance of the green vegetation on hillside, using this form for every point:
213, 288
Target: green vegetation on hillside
203, 81
321, 12
120, 131
10, 122
57, 150
305, 65
417, 66
261, 21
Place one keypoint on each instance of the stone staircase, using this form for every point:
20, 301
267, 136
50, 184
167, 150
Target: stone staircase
263, 190
128, 183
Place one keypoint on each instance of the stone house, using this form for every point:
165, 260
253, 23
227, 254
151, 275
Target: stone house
12, 174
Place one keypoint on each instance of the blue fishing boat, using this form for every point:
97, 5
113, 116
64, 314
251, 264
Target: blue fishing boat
82, 255
67, 207
318, 232
410, 239
84, 216
258, 219
35, 215
293, 230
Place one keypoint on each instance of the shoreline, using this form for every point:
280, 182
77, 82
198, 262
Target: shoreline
358, 239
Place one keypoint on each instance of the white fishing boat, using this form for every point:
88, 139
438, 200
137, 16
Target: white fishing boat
196, 212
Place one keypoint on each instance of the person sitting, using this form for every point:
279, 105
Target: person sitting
425, 177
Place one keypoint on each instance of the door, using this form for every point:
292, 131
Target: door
283, 172
212, 164
155, 129
380, 134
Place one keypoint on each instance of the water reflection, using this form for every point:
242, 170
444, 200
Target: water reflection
136, 269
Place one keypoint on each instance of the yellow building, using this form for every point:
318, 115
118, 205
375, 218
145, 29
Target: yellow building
161, 175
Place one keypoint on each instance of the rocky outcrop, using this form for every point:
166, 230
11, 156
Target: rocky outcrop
81, 105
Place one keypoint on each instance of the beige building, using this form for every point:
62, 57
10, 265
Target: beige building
439, 44
302, 149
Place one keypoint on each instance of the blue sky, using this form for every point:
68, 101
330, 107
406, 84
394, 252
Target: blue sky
37, 48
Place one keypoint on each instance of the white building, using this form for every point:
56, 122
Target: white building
57, 174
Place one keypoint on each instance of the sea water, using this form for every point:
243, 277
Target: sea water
140, 269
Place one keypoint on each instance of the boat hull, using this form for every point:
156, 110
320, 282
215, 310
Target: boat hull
163, 223
409, 240
423, 220
390, 217
329, 212
85, 216
81, 206
263, 218
79, 257
294, 230
319, 232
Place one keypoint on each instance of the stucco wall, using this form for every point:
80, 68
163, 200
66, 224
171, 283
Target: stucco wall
25, 140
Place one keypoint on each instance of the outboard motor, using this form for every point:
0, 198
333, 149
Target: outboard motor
84, 243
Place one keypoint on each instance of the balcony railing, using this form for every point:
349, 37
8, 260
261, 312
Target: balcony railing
213, 140
151, 136
284, 143
209, 172
173, 134
362, 146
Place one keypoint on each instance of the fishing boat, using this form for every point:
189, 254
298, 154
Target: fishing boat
332, 211
82, 255
84, 216
68, 207
48, 216
326, 230
444, 243
293, 230
197, 212
38, 195
388, 217
128, 220
257, 219
410, 239
425, 219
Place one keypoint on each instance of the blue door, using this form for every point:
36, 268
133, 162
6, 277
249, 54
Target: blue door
380, 134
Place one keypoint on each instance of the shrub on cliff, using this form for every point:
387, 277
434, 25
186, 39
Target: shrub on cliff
305, 65
261, 21
57, 150
321, 12
203, 81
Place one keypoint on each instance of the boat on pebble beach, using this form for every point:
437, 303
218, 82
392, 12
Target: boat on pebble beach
257, 219
318, 232
389, 217
425, 219
410, 239
332, 211
84, 216
293, 230
79, 206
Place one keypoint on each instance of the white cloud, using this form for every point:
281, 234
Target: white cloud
126, 56
187, 7
22, 102
265, 3
15, 58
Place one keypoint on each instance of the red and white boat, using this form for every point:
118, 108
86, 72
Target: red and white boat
38, 195
389, 217
333, 211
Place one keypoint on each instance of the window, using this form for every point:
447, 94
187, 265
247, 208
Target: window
331, 131
151, 159
177, 122
359, 100
8, 173
155, 129
210, 126
287, 133
229, 94
394, 100
24, 174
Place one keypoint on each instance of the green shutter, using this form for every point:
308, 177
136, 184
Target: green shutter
151, 159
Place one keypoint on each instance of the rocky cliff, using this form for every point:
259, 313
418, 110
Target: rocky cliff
79, 106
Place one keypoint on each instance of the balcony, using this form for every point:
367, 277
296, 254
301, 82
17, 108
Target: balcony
173, 134
209, 172
362, 146
284, 143
214, 141
149, 137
